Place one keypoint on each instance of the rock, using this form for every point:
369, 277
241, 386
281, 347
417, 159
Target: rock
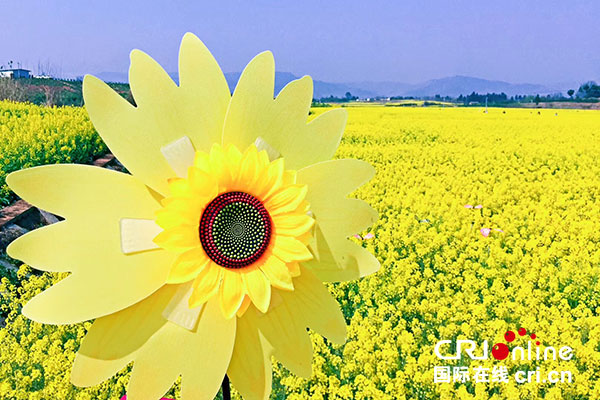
118, 166
10, 232
10, 214
48, 218
29, 219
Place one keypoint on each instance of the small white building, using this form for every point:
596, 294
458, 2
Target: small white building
15, 73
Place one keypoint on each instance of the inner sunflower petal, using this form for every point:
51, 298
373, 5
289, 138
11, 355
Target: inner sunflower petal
293, 224
277, 273
187, 266
287, 199
231, 293
258, 288
206, 284
290, 249
180, 237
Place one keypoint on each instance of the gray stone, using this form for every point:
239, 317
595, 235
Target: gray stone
29, 219
10, 232
48, 218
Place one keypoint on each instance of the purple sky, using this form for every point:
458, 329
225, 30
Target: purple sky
338, 41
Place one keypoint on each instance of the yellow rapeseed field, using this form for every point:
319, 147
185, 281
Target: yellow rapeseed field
527, 257
35, 135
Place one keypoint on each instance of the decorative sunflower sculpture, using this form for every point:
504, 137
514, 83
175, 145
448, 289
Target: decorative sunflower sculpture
211, 256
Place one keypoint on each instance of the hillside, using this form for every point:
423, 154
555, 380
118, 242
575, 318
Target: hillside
321, 88
450, 86
456, 85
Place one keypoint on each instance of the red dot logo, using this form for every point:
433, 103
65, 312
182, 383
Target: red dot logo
500, 351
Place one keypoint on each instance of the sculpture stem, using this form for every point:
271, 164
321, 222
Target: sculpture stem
225, 388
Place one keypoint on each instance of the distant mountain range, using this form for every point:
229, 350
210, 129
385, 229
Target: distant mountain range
450, 86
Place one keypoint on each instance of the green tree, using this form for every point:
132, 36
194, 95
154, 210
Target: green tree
589, 90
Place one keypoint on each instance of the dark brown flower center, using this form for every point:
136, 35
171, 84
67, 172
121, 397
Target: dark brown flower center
235, 229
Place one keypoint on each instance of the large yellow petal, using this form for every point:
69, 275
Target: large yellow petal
315, 306
164, 112
202, 356
280, 122
150, 378
287, 335
250, 367
205, 90
161, 350
93, 200
39, 248
114, 340
324, 136
337, 217
80, 191
328, 184
282, 333
89, 371
253, 92
337, 259
334, 179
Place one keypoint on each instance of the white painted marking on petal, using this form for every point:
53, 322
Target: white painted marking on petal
261, 144
180, 155
178, 310
137, 235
